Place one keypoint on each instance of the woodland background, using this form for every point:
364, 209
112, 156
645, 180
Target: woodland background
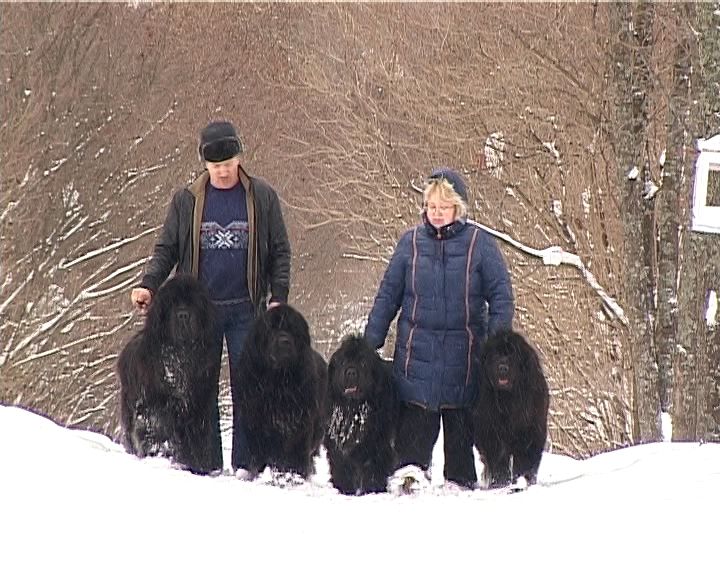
575, 125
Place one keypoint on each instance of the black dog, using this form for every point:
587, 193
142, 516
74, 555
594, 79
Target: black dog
361, 432
281, 393
510, 415
169, 380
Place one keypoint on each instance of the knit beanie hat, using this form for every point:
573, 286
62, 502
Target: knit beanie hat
454, 178
219, 142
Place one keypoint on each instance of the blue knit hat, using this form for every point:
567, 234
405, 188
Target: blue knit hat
454, 178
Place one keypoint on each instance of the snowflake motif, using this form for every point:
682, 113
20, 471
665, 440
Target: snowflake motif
234, 236
224, 239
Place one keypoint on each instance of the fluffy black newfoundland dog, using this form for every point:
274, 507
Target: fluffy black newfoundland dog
169, 380
510, 415
281, 392
361, 432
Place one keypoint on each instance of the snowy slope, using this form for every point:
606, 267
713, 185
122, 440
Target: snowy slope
75, 502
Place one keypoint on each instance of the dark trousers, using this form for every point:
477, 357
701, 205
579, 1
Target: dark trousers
418, 430
234, 322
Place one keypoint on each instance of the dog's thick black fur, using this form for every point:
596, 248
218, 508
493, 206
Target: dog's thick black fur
168, 376
363, 413
510, 414
281, 394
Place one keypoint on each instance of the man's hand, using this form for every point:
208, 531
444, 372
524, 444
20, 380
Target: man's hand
141, 298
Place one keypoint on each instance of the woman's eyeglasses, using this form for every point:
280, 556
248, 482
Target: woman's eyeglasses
439, 208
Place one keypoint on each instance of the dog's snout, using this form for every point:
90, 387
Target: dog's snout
351, 374
183, 316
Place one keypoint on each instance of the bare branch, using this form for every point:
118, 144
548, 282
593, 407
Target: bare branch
62, 265
555, 256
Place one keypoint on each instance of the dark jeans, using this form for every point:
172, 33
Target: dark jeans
418, 431
233, 325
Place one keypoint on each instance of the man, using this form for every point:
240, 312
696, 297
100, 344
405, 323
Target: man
226, 229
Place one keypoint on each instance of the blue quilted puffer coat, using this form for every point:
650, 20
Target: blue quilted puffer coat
452, 288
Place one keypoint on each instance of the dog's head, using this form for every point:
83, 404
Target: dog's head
181, 312
502, 359
355, 369
284, 333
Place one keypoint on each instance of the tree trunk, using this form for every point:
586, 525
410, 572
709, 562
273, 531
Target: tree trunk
709, 417
685, 393
697, 397
674, 182
633, 81
696, 410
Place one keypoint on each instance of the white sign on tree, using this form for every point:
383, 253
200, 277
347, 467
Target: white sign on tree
705, 216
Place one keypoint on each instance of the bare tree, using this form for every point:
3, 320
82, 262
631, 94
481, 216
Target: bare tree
696, 406
344, 107
632, 60
673, 188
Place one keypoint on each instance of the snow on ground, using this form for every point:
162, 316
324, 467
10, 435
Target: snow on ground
73, 502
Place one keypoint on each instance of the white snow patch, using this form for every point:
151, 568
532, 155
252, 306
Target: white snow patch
65, 483
712, 308
666, 426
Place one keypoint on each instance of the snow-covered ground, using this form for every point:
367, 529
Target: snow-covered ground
73, 502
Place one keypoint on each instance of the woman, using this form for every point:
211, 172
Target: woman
450, 282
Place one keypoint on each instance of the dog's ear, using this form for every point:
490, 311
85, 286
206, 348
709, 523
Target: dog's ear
155, 318
301, 328
332, 367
